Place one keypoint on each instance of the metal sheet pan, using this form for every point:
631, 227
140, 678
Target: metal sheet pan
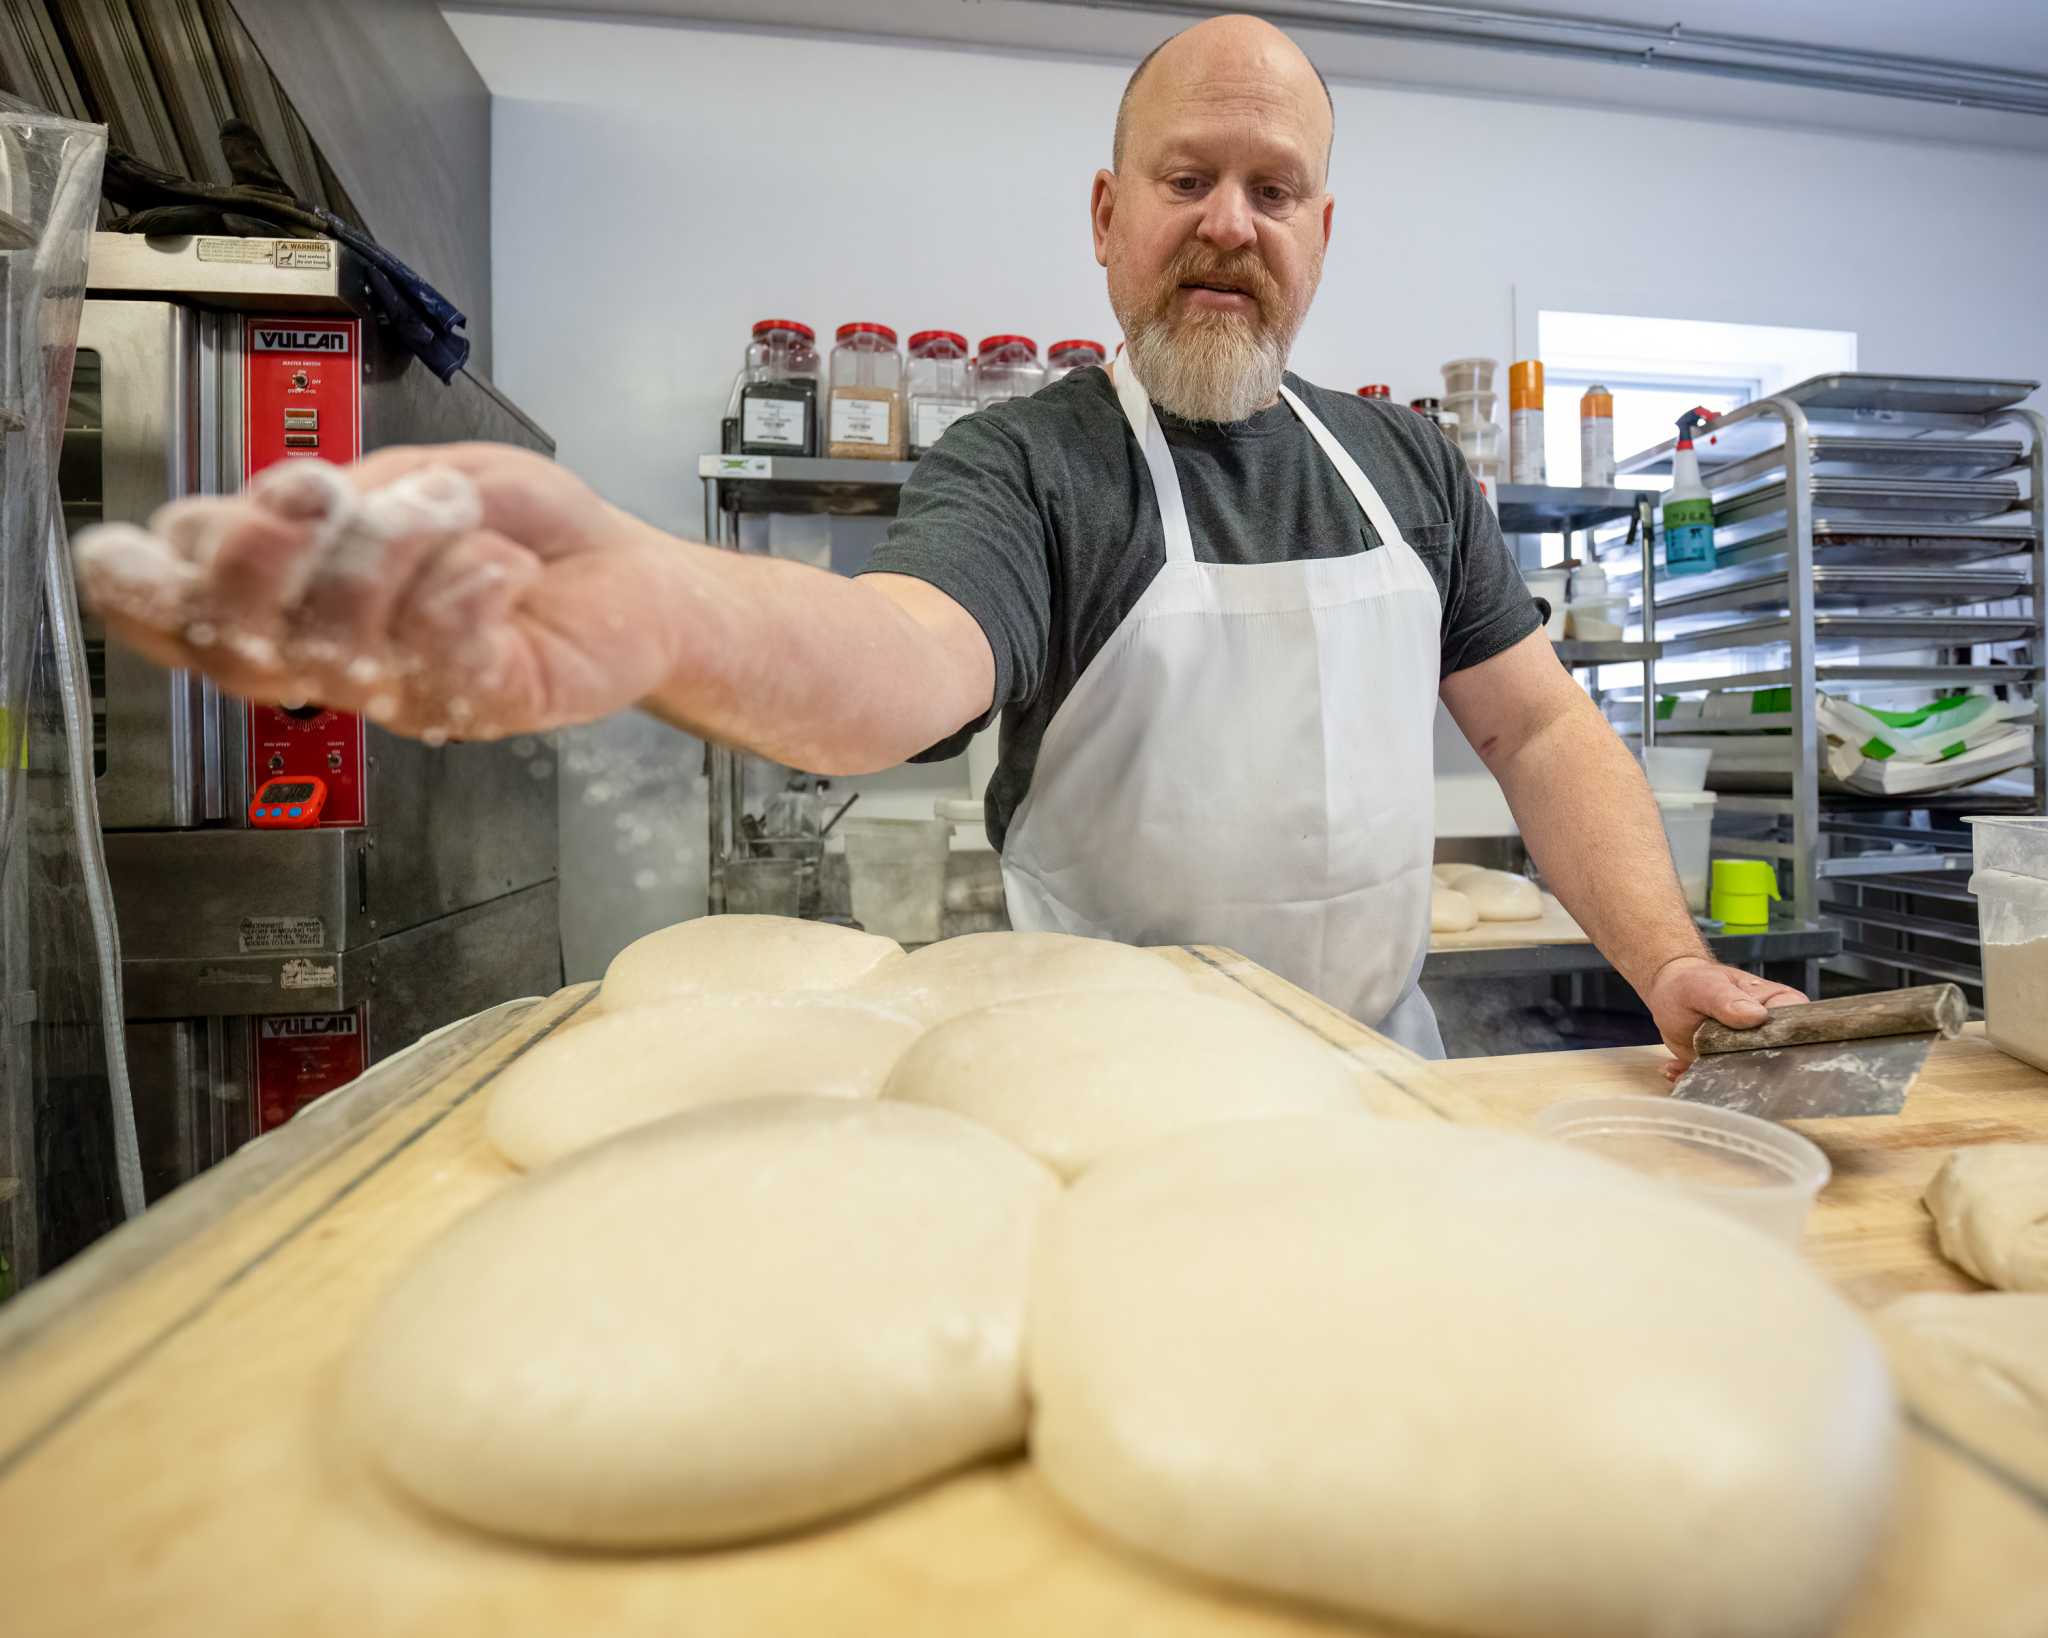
1836, 631
1907, 394
1912, 458
1896, 589
1934, 500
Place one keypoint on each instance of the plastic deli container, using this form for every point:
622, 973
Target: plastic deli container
896, 876
1469, 375
1549, 584
1754, 1170
1597, 619
2011, 885
1689, 827
1672, 768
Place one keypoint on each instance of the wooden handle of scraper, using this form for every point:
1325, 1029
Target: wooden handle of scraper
1927, 1009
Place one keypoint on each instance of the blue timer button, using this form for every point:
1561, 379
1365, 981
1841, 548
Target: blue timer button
297, 811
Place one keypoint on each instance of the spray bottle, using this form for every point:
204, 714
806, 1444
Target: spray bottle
1688, 508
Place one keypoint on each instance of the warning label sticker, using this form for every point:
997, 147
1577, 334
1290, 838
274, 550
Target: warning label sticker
263, 935
306, 975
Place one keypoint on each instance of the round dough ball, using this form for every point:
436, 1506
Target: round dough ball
1976, 1366
1501, 895
1450, 911
744, 1319
743, 955
1990, 1207
1459, 1379
977, 970
1072, 1078
626, 1069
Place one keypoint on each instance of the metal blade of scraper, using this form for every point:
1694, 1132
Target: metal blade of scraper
1857, 1055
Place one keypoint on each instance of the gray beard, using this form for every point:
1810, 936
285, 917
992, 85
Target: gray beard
1212, 371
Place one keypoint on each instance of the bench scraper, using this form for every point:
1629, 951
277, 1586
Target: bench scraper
1854, 1056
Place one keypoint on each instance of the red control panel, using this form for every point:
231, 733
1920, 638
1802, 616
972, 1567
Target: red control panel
300, 1056
302, 401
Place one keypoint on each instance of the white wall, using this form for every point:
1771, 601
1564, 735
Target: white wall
657, 188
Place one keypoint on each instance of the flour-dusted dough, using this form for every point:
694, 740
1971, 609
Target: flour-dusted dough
1501, 895
741, 1320
625, 1069
977, 970
1450, 911
1073, 1078
1976, 1366
1990, 1207
740, 955
1456, 1378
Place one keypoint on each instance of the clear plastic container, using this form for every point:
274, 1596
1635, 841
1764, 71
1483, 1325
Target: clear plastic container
1471, 407
1063, 358
938, 386
763, 887
1597, 619
1754, 1170
775, 400
1689, 829
1676, 767
896, 874
864, 413
1484, 442
2012, 925
1463, 375
1006, 366
1548, 584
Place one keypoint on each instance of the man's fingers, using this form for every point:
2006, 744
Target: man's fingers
371, 551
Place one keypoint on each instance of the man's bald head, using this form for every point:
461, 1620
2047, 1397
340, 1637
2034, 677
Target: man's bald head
1194, 52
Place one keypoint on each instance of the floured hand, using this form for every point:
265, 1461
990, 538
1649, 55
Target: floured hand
465, 591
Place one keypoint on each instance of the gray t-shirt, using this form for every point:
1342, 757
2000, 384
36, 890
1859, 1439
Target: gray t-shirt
1037, 517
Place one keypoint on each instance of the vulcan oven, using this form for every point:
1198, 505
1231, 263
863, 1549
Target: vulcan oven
266, 961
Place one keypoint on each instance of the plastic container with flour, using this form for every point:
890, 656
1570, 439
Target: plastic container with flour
2011, 885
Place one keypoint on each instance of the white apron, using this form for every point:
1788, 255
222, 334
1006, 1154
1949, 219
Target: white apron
1248, 762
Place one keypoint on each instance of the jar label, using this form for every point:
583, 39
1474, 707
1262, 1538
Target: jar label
928, 420
863, 420
773, 421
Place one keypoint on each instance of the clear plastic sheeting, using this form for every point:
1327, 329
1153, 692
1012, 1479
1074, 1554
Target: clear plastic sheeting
67, 1153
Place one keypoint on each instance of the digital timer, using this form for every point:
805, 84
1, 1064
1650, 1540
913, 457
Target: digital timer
288, 804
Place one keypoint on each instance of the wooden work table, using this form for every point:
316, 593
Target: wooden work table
170, 1461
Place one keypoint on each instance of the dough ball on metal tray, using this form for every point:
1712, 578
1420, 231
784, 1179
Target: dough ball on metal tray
1456, 1378
742, 1320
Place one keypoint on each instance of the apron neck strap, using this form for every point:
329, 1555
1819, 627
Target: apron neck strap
1137, 406
1355, 480
1180, 545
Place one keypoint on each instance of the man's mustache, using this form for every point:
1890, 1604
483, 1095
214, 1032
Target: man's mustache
1242, 271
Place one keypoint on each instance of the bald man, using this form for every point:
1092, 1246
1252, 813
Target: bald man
1213, 606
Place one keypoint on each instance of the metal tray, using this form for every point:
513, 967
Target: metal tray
1906, 394
1894, 588
1935, 500
1855, 545
1881, 457
1848, 676
1834, 631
